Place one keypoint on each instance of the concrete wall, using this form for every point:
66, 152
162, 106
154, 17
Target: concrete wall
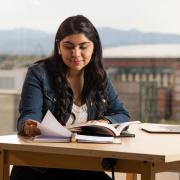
9, 101
11, 82
12, 79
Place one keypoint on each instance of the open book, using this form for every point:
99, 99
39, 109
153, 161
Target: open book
53, 131
96, 128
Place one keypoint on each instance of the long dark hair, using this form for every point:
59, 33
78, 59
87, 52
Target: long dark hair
95, 78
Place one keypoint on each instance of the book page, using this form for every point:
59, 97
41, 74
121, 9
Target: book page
120, 127
51, 127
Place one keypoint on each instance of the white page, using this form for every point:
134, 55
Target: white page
124, 126
51, 127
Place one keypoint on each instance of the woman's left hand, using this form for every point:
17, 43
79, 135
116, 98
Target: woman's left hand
30, 128
104, 121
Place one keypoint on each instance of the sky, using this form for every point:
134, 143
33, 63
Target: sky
145, 15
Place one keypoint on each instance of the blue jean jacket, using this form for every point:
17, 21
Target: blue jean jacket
38, 96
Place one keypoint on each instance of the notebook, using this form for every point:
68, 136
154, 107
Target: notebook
160, 128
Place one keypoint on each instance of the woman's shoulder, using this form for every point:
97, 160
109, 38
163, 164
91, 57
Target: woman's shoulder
39, 69
40, 66
110, 86
109, 83
39, 73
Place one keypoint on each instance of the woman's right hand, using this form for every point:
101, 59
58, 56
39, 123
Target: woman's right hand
30, 128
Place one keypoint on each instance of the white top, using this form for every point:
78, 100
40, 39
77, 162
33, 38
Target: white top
80, 113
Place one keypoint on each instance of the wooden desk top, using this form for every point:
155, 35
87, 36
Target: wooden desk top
145, 147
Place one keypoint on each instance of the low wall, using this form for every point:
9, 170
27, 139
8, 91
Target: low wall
9, 101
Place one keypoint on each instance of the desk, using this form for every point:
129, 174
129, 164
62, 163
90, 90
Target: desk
146, 154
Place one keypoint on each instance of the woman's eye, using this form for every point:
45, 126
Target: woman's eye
69, 47
83, 47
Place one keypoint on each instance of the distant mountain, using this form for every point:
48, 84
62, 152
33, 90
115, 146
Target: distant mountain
114, 37
32, 42
26, 41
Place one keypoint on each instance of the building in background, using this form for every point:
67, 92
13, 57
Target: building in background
147, 79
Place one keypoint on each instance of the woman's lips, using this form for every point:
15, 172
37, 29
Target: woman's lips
76, 60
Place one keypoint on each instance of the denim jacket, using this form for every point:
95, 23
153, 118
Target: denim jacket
38, 96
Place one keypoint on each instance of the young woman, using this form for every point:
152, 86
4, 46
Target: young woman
73, 85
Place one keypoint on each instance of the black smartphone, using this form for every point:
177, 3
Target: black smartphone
127, 134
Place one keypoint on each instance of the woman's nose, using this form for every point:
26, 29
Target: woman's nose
76, 51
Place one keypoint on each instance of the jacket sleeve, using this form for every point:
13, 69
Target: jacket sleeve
31, 103
116, 112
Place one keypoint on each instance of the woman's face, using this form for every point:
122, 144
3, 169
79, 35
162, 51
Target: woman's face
76, 51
